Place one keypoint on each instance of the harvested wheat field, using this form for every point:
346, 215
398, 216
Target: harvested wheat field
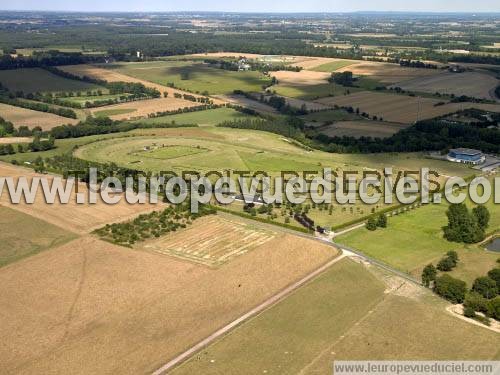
212, 241
386, 72
78, 218
11, 140
400, 108
226, 54
27, 117
357, 129
110, 75
475, 84
302, 78
105, 309
142, 108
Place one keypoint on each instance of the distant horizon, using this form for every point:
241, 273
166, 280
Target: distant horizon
256, 6
249, 11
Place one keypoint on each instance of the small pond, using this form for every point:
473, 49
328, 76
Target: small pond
493, 245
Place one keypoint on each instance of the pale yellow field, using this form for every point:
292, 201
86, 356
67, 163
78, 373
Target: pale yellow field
400, 108
141, 108
475, 84
78, 218
90, 307
27, 117
212, 241
387, 72
363, 129
302, 78
11, 140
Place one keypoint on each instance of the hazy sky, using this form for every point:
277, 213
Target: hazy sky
255, 5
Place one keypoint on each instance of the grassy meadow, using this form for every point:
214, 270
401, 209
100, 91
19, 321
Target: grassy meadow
195, 76
40, 80
333, 66
286, 337
310, 92
208, 117
415, 238
349, 312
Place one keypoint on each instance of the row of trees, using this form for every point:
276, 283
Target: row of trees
154, 224
46, 58
9, 98
428, 135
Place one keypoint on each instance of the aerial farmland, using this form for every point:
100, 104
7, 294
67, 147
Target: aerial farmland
114, 275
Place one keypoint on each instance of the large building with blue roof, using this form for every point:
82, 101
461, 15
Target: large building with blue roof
466, 156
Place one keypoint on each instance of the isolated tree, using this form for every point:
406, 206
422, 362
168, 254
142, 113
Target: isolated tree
445, 264
482, 216
485, 286
429, 274
371, 224
453, 255
450, 288
382, 221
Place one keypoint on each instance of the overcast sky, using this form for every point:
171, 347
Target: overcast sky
255, 5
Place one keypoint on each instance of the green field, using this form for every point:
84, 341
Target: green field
168, 152
221, 149
410, 241
195, 76
240, 149
415, 238
40, 80
333, 66
92, 98
113, 112
344, 314
23, 235
330, 115
208, 117
286, 337
65, 49
312, 91
410, 327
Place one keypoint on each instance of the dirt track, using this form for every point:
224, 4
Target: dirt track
105, 309
256, 310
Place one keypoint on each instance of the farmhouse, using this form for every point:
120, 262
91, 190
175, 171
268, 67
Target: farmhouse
466, 156
243, 65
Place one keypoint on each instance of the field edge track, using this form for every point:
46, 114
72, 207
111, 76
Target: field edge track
253, 312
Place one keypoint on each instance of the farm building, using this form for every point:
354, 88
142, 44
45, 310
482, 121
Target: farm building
466, 156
